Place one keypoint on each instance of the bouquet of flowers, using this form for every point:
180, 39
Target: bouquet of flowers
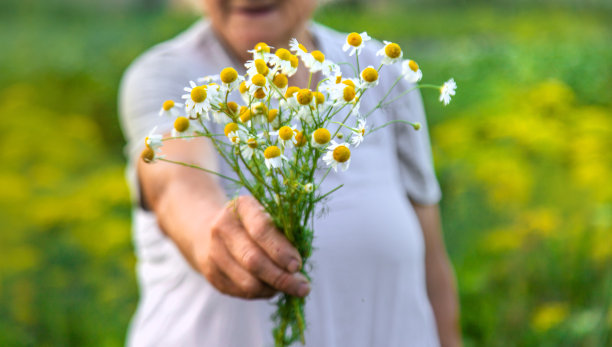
282, 135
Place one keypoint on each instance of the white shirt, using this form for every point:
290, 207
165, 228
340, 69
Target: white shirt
368, 268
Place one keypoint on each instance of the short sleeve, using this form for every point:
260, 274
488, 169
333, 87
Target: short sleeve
147, 83
413, 148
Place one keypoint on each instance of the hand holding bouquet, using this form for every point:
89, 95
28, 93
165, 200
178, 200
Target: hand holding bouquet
280, 136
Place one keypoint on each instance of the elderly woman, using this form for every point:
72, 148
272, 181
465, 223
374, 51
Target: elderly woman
381, 276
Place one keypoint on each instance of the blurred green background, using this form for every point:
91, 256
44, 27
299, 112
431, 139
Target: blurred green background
523, 154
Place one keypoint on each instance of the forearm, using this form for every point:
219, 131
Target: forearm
185, 200
441, 287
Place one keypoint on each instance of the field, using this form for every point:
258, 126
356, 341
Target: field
522, 153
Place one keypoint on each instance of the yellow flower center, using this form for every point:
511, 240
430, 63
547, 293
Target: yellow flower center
245, 114
181, 124
369, 74
338, 79
304, 97
303, 48
354, 39
259, 80
285, 133
393, 50
243, 88
319, 98
272, 115
229, 128
280, 81
262, 47
320, 57
291, 90
348, 94
349, 83
272, 152
198, 94
362, 131
283, 54
228, 75
259, 93
252, 143
294, 61
321, 136
261, 67
232, 107
300, 139
341, 154
168, 104
147, 155
413, 65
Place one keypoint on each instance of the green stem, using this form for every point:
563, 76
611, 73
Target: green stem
414, 125
200, 168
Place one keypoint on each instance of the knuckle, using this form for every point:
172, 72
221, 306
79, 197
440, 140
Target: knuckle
251, 259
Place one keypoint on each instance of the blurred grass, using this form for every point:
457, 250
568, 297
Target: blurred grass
523, 155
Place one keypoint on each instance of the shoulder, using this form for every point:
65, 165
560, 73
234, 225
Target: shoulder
168, 58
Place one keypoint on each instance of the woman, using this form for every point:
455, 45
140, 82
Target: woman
381, 276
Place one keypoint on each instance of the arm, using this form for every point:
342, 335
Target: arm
441, 286
234, 245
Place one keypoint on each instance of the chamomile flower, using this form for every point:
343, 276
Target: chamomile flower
290, 101
259, 113
233, 132
320, 138
273, 118
273, 157
256, 82
391, 53
149, 156
338, 154
154, 141
298, 48
358, 133
315, 61
320, 101
250, 145
182, 127
230, 79
257, 66
244, 92
411, 71
355, 42
197, 102
169, 108
285, 62
308, 187
447, 90
261, 51
281, 83
285, 136
369, 77
299, 139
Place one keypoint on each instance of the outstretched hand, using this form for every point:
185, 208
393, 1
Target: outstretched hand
243, 254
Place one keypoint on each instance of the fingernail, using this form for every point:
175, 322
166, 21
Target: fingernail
294, 265
303, 289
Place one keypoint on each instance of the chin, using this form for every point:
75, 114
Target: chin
251, 33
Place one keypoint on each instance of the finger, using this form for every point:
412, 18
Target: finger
234, 278
252, 258
261, 229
